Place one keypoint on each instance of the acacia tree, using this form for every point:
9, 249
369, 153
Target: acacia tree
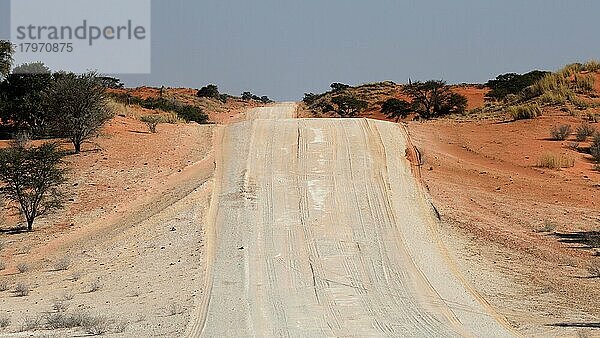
79, 106
31, 178
210, 90
434, 98
349, 106
22, 92
396, 108
6, 57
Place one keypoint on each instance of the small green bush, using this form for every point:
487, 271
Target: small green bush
560, 133
525, 111
152, 121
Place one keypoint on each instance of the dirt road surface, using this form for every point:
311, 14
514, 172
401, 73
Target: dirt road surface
319, 229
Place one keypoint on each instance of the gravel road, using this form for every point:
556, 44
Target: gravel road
320, 229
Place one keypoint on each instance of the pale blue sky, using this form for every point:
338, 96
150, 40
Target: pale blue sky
284, 48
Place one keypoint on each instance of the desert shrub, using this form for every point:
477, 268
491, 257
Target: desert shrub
22, 290
560, 133
3, 285
175, 309
61, 320
594, 270
592, 118
120, 326
22, 267
549, 226
96, 325
152, 121
555, 161
31, 323
525, 111
62, 264
592, 66
4, 321
223, 98
2, 265
60, 305
434, 98
584, 131
96, 285
192, 114
595, 148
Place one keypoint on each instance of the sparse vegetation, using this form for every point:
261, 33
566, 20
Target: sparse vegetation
560, 133
31, 178
3, 285
31, 323
584, 131
91, 324
4, 322
548, 227
62, 264
22, 267
2, 265
175, 309
525, 111
96, 285
60, 305
152, 121
22, 290
555, 161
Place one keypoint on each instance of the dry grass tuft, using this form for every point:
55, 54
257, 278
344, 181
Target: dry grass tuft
555, 161
525, 111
